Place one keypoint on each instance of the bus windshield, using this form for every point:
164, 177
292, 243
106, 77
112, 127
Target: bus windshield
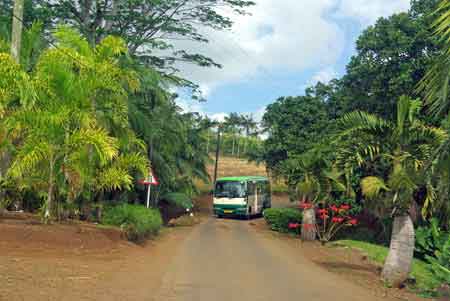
229, 190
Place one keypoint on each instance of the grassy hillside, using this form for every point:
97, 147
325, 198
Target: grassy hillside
229, 166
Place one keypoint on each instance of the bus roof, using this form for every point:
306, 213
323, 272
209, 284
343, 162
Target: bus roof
243, 178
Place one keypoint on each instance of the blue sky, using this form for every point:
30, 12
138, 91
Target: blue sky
280, 49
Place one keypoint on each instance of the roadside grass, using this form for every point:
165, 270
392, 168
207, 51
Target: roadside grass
425, 282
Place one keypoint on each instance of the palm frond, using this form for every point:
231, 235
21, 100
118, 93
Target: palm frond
29, 156
372, 187
362, 121
435, 84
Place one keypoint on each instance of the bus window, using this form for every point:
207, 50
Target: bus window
229, 190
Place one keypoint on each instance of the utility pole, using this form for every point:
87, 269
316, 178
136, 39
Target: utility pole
17, 25
217, 154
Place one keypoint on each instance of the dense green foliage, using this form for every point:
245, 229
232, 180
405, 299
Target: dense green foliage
379, 135
293, 123
178, 200
433, 245
148, 27
368, 123
136, 221
115, 91
280, 218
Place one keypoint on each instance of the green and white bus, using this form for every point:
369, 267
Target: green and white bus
241, 196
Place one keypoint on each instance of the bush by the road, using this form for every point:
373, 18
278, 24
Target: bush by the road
280, 218
138, 222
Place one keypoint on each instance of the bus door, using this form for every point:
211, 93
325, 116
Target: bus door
251, 197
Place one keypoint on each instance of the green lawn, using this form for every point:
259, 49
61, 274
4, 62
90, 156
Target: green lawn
378, 254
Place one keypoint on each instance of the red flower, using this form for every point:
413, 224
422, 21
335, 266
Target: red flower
344, 207
293, 225
334, 208
324, 216
322, 211
353, 221
337, 219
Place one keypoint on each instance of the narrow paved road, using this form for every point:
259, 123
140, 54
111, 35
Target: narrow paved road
227, 260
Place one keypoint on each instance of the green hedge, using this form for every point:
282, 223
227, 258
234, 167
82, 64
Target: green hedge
178, 199
279, 218
137, 221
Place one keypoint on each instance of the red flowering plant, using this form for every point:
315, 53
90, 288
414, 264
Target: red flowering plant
295, 227
333, 216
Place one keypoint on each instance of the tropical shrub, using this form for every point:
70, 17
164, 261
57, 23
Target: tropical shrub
429, 239
138, 222
433, 245
283, 219
440, 263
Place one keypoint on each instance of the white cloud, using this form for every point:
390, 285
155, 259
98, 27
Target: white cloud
324, 75
280, 36
189, 105
220, 117
258, 115
287, 35
284, 35
368, 11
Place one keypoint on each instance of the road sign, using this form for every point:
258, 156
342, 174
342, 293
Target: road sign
149, 182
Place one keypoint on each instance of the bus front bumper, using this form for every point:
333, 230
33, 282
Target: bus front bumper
221, 210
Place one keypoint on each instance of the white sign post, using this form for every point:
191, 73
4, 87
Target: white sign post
149, 190
149, 182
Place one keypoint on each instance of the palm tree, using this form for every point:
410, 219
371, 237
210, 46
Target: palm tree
305, 176
75, 135
249, 125
404, 145
232, 125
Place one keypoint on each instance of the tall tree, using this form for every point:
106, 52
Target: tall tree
16, 40
392, 56
232, 126
149, 27
294, 125
250, 127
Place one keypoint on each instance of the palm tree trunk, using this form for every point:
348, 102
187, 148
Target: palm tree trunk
309, 225
16, 38
5, 160
245, 145
51, 185
238, 148
398, 263
232, 150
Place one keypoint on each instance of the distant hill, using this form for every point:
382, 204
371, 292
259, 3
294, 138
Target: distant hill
230, 166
